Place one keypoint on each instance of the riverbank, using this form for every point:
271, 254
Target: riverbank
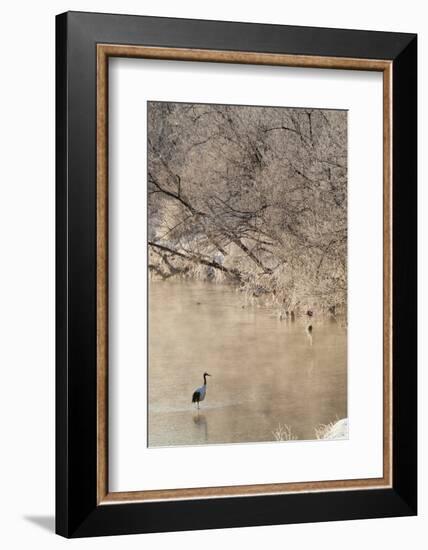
336, 430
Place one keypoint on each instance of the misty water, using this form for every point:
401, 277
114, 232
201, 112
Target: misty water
265, 372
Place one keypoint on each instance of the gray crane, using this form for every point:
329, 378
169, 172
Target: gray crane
199, 393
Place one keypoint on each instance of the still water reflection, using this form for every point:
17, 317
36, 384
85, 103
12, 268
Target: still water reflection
264, 371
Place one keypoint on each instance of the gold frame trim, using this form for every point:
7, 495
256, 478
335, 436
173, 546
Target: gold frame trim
104, 51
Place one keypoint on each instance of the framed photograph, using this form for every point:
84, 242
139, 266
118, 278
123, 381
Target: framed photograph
236, 274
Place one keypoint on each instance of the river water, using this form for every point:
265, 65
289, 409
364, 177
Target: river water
265, 372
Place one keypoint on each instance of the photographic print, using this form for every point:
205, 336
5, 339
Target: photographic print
247, 274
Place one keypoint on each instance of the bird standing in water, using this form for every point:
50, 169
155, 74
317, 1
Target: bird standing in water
199, 393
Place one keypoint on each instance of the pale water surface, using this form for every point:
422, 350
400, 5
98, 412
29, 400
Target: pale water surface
265, 371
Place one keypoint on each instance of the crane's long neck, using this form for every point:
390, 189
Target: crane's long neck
205, 379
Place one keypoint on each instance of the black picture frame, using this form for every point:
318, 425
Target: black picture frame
77, 511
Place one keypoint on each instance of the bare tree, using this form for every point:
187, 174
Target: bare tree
256, 196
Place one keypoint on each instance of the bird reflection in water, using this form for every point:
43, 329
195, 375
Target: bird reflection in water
201, 422
310, 369
309, 334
